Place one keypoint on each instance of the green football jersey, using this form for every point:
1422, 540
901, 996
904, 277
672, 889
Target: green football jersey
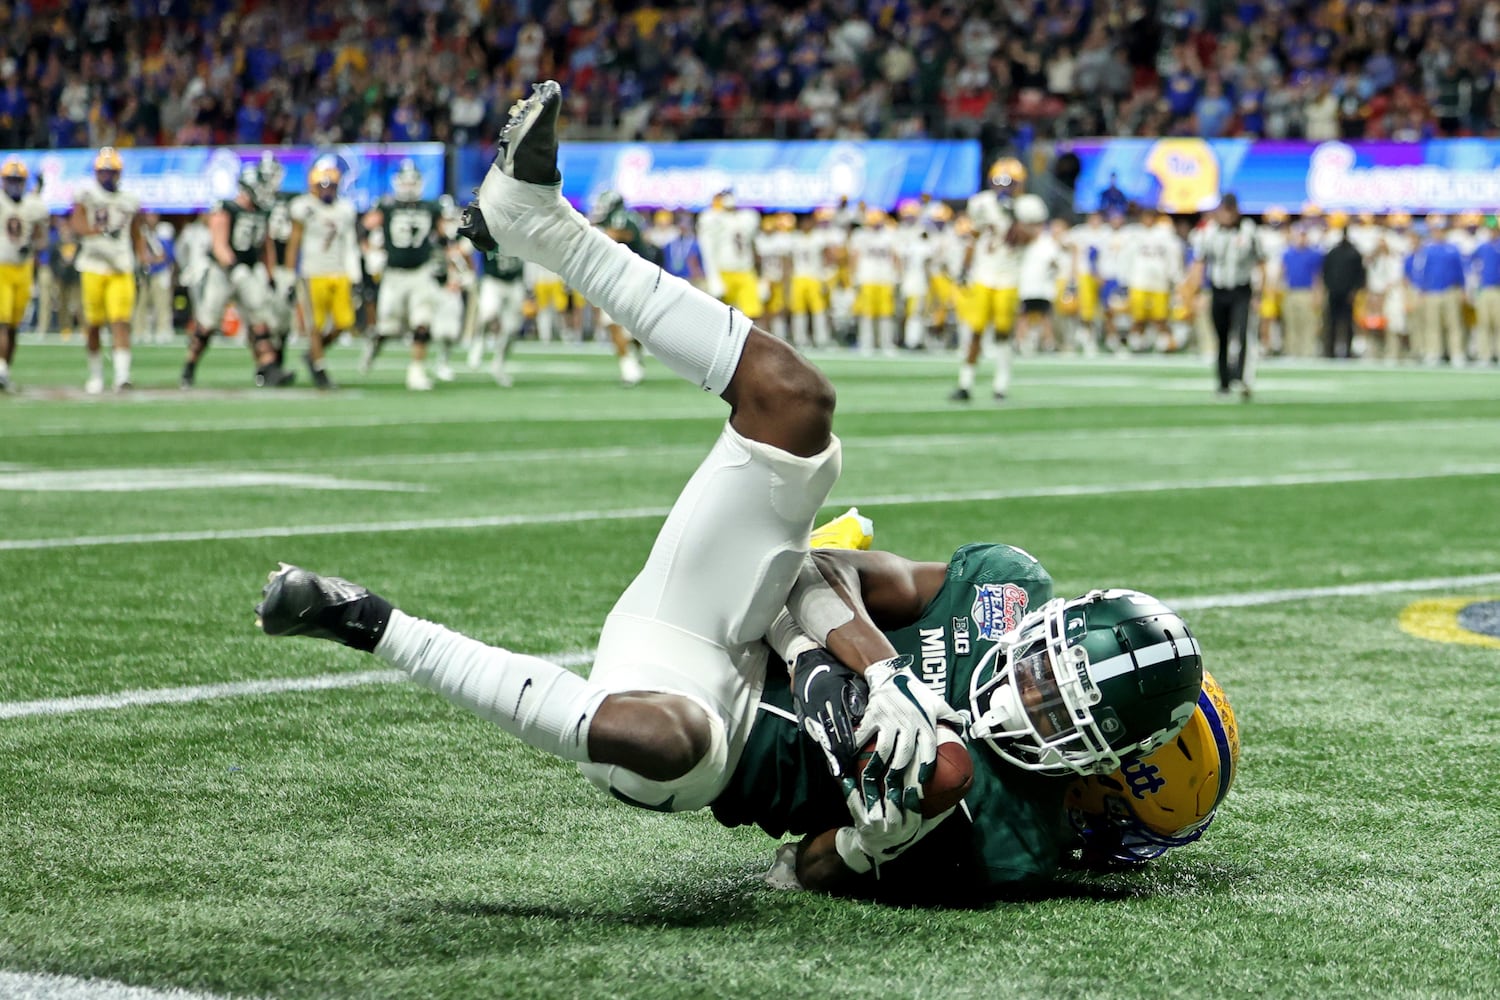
409, 228
247, 232
503, 267
1009, 825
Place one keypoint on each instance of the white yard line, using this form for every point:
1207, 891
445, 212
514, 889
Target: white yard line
43, 986
635, 513
578, 658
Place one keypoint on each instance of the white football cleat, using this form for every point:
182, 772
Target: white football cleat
94, 386
417, 380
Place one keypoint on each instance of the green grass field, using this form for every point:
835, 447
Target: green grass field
372, 841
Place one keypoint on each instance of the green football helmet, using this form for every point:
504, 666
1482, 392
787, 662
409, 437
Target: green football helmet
1082, 685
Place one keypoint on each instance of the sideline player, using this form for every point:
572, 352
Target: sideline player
408, 226
238, 272
111, 239
324, 244
665, 716
23, 231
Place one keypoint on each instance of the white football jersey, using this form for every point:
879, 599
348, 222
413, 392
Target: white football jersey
1273, 243
1384, 273
1364, 236
809, 250
193, 247
1041, 260
18, 222
916, 249
1114, 250
995, 264
727, 239
328, 236
1155, 259
1088, 245
773, 249
953, 249
874, 253
111, 251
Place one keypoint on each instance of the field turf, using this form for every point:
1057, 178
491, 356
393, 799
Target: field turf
369, 840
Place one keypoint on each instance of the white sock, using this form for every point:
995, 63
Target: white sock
544, 321
96, 365
913, 335
778, 327
122, 365
788, 639
866, 334
544, 705
5, 365
887, 327
821, 334
692, 333
799, 329
966, 376
1002, 367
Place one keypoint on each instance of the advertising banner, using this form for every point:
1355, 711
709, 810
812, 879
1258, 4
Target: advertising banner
1189, 175
776, 176
191, 178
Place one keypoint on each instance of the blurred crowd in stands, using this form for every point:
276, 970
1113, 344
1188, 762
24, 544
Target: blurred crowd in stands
207, 72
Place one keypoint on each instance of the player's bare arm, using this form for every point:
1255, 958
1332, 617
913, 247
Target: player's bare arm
218, 231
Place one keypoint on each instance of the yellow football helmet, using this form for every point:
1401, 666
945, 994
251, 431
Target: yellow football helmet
940, 212
785, 222
14, 174
1311, 211
1165, 799
107, 168
909, 209
876, 217
1470, 220
1338, 220
324, 181
661, 217
1398, 220
1275, 215
823, 214
1008, 176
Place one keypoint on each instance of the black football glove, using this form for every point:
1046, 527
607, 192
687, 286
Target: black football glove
830, 700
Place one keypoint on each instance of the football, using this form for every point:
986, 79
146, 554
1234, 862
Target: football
951, 777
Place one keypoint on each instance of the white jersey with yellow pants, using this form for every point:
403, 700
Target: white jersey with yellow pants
106, 259
328, 257
18, 222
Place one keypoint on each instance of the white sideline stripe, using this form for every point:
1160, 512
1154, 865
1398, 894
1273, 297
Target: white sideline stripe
43, 986
913, 442
237, 689
150, 480
1257, 598
633, 513
577, 658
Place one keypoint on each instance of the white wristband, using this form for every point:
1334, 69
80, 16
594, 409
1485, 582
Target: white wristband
846, 843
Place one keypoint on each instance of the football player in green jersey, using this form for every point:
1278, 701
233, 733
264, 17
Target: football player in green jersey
624, 227
408, 224
237, 272
682, 664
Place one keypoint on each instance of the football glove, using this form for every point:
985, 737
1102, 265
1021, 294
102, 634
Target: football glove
830, 701
882, 832
902, 717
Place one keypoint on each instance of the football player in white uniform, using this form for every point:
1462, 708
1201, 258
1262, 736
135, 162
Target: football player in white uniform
992, 299
23, 231
283, 308
726, 241
916, 248
811, 248
872, 258
1155, 268
111, 240
454, 288
324, 244
773, 248
238, 272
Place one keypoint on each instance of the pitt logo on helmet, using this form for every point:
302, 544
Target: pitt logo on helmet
1165, 799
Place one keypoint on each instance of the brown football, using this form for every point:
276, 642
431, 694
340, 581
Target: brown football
952, 774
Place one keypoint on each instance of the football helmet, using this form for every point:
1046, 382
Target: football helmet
1398, 220
324, 181
107, 168
1031, 209
823, 215
1274, 216
1008, 176
252, 184
785, 222
1165, 799
941, 213
1338, 220
1080, 686
13, 175
272, 173
661, 217
607, 204
408, 183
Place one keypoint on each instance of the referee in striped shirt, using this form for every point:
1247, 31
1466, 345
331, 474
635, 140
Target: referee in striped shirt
1230, 254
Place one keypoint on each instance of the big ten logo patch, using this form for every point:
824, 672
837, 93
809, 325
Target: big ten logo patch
1469, 621
998, 608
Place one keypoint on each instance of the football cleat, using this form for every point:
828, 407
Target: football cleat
298, 602
4, 381
273, 376
94, 386
959, 395
850, 530
417, 379
527, 153
319, 376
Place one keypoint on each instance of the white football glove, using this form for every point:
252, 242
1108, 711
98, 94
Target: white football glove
883, 831
902, 717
